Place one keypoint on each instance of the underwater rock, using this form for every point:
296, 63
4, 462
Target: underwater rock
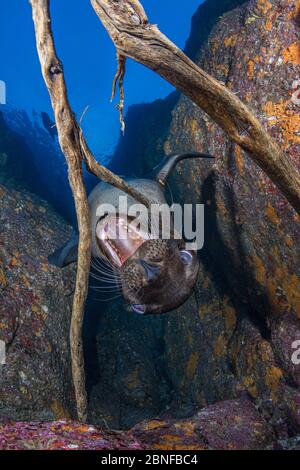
237, 332
255, 365
62, 435
288, 444
228, 425
35, 307
203, 20
147, 124
252, 237
143, 141
30, 158
286, 345
140, 367
235, 335
124, 357
3, 159
49, 125
17, 167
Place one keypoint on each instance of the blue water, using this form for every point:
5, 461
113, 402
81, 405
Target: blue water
89, 61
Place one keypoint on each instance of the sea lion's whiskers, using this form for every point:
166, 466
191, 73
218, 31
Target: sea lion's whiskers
107, 273
105, 289
104, 270
108, 285
111, 298
105, 265
105, 280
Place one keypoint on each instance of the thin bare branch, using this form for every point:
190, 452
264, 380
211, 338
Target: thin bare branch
119, 78
103, 173
106, 175
134, 37
74, 148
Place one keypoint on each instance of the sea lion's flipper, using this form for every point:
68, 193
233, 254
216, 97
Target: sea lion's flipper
66, 254
167, 165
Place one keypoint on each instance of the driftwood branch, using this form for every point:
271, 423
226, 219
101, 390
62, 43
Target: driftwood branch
75, 150
133, 36
106, 175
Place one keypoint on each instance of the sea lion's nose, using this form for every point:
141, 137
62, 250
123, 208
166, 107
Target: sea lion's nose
151, 270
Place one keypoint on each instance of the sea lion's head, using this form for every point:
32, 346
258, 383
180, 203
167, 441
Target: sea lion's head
159, 277
156, 275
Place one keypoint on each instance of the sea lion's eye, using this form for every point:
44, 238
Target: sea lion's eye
186, 257
152, 271
141, 309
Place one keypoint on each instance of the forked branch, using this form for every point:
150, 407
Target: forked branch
75, 150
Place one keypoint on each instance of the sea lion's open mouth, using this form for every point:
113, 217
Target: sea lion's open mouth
119, 238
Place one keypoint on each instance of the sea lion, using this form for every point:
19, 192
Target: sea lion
156, 275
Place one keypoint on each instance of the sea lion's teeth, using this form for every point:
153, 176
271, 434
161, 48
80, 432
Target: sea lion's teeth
120, 239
